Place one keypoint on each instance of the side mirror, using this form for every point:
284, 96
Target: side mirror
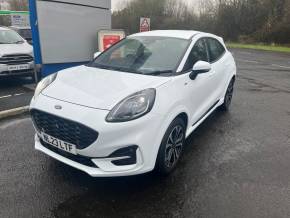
199, 68
97, 54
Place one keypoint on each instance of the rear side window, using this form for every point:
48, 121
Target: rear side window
215, 48
198, 53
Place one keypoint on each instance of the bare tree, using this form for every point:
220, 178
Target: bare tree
19, 5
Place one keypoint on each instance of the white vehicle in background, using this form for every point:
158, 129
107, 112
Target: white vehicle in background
16, 55
24, 32
130, 110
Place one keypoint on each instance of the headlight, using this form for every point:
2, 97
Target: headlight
133, 107
43, 84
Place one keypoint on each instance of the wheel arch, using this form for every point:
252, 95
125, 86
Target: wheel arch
181, 113
184, 117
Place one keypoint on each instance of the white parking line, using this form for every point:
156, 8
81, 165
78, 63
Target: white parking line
5, 96
276, 65
19, 94
248, 61
9, 96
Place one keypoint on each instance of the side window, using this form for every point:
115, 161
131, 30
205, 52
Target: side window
198, 53
215, 49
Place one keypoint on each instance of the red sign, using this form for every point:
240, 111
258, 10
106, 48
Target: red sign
109, 40
144, 24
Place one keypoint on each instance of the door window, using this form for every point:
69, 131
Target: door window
198, 53
215, 49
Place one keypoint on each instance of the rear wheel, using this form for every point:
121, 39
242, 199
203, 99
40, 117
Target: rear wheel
228, 96
171, 147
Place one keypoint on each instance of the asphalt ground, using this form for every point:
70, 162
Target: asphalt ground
15, 92
235, 164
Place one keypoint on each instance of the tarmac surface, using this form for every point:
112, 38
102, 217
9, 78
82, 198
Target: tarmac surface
15, 92
235, 164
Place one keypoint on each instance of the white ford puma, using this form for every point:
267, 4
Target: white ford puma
129, 111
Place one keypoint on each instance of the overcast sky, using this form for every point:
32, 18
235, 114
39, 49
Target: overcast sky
116, 3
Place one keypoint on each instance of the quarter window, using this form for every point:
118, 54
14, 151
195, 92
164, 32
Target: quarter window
198, 53
215, 48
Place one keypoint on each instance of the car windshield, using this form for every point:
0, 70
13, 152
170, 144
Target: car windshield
143, 55
10, 37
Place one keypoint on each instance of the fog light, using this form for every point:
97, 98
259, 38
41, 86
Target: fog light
126, 156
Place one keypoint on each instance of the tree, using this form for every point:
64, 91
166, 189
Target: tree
235, 20
19, 5
164, 14
15, 5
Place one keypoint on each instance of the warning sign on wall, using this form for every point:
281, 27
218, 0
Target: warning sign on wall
110, 40
144, 24
107, 38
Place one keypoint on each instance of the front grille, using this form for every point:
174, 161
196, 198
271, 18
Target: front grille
63, 129
77, 158
16, 59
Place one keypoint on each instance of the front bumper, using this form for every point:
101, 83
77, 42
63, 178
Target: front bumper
146, 133
103, 170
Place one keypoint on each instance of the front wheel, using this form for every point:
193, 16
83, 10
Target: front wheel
228, 96
171, 147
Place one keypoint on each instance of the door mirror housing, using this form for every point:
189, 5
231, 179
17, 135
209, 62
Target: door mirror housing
199, 68
97, 54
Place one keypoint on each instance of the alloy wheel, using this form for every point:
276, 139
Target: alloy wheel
174, 146
229, 94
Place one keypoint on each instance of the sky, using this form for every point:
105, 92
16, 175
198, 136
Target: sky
116, 3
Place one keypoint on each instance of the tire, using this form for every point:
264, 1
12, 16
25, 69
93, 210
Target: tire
171, 147
228, 96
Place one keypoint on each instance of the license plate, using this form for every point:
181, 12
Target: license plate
62, 145
18, 67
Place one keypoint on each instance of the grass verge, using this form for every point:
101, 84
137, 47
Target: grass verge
260, 47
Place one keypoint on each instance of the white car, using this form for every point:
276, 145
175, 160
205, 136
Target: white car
16, 55
130, 110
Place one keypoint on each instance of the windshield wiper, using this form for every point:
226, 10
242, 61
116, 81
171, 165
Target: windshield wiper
102, 66
114, 68
159, 72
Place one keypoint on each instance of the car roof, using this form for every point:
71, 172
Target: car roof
182, 34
